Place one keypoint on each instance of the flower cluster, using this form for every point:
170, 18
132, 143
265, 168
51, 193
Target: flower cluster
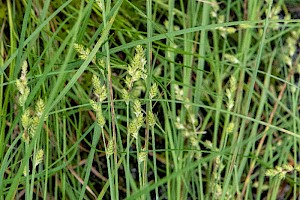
38, 159
231, 58
137, 122
290, 48
31, 119
136, 70
101, 94
22, 85
110, 148
220, 19
281, 171
142, 156
188, 126
230, 93
99, 90
83, 52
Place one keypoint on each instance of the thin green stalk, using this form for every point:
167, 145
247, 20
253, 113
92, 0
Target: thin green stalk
46, 164
31, 185
148, 82
170, 56
295, 141
127, 169
202, 47
7, 97
27, 186
110, 98
251, 87
138, 151
96, 136
2, 108
154, 162
246, 37
64, 149
109, 162
23, 31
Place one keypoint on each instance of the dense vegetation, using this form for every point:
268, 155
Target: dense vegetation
149, 99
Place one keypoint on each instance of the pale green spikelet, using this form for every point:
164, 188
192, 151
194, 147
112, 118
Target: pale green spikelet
297, 168
230, 102
137, 76
23, 97
25, 119
99, 3
138, 88
218, 190
153, 91
100, 118
187, 133
231, 58
101, 63
194, 141
101, 94
136, 70
21, 85
230, 127
226, 30
280, 171
288, 167
128, 81
140, 121
230, 92
230, 30
214, 10
151, 119
133, 129
139, 60
39, 107
25, 171
192, 118
287, 60
96, 84
26, 123
135, 125
178, 93
125, 96
291, 44
178, 124
96, 106
110, 148
142, 156
34, 124
83, 52
25, 137
24, 71
208, 144
137, 108
232, 83
39, 157
99, 90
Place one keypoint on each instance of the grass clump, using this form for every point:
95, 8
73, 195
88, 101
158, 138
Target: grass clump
149, 100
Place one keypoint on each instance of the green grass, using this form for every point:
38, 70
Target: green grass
223, 124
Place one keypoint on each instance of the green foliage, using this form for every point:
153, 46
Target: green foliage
149, 99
